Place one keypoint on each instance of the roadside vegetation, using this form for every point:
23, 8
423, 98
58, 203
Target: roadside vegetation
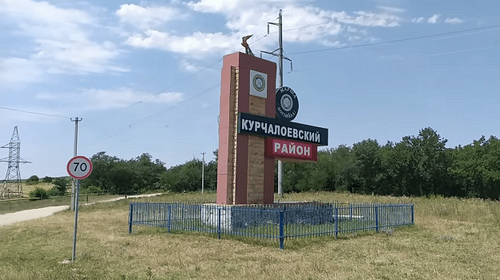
418, 165
453, 238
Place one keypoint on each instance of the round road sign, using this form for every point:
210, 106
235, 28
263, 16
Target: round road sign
79, 167
287, 104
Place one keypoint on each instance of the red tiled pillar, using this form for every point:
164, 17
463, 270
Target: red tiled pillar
244, 174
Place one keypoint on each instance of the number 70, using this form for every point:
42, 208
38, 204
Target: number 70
80, 165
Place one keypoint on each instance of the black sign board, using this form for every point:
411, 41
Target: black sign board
269, 127
287, 104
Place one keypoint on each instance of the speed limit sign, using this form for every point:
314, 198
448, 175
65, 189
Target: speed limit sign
79, 167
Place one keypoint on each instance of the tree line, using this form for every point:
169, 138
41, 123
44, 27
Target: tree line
418, 165
143, 174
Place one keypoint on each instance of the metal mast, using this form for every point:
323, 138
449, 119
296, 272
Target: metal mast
75, 153
280, 65
203, 173
12, 184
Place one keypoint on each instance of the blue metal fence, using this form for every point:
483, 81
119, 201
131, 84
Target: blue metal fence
277, 221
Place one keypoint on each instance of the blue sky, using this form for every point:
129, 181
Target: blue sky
145, 75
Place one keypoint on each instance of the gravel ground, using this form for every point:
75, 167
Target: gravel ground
26, 215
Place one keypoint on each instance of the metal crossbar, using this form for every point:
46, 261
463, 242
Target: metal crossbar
277, 221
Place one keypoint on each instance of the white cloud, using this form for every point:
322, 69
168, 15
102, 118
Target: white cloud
100, 99
454, 20
189, 66
418, 20
391, 9
14, 71
61, 36
147, 17
78, 56
356, 30
433, 19
194, 45
374, 19
103, 99
303, 24
216, 6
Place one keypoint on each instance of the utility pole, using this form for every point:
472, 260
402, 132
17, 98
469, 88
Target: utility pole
75, 153
280, 65
203, 173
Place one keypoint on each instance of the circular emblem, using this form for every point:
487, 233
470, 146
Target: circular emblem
287, 104
259, 83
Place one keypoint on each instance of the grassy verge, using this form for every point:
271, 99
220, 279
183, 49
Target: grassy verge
452, 239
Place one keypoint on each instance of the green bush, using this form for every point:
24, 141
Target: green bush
47, 179
61, 184
32, 180
39, 192
54, 191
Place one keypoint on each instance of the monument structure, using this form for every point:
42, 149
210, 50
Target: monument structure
255, 129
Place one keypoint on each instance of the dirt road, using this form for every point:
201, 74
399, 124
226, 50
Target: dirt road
32, 214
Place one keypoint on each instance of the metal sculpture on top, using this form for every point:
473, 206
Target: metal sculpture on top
244, 43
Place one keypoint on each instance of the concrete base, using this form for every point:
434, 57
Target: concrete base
242, 216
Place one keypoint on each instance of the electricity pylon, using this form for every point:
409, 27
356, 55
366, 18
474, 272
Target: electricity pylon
12, 184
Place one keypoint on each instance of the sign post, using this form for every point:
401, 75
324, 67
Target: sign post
78, 167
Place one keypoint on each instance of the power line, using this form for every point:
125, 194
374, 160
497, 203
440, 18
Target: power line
163, 90
157, 114
180, 81
33, 113
463, 32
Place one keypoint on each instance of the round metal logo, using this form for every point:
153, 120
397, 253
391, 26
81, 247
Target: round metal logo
287, 104
259, 83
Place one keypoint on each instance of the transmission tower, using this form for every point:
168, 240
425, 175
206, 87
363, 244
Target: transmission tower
12, 184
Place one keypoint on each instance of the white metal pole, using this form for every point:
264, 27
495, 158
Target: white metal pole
280, 163
203, 173
75, 153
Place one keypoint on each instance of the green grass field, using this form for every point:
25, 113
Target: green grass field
452, 239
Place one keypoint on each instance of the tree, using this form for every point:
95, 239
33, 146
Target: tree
39, 193
32, 180
345, 171
100, 176
368, 164
183, 178
60, 186
429, 161
47, 179
397, 170
147, 172
476, 168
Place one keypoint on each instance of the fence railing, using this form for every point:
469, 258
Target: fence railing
277, 221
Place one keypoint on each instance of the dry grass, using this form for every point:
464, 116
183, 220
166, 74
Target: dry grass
452, 239
28, 188
14, 205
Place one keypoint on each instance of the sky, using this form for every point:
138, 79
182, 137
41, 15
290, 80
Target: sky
144, 76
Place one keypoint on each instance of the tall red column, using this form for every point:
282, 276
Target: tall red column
244, 174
